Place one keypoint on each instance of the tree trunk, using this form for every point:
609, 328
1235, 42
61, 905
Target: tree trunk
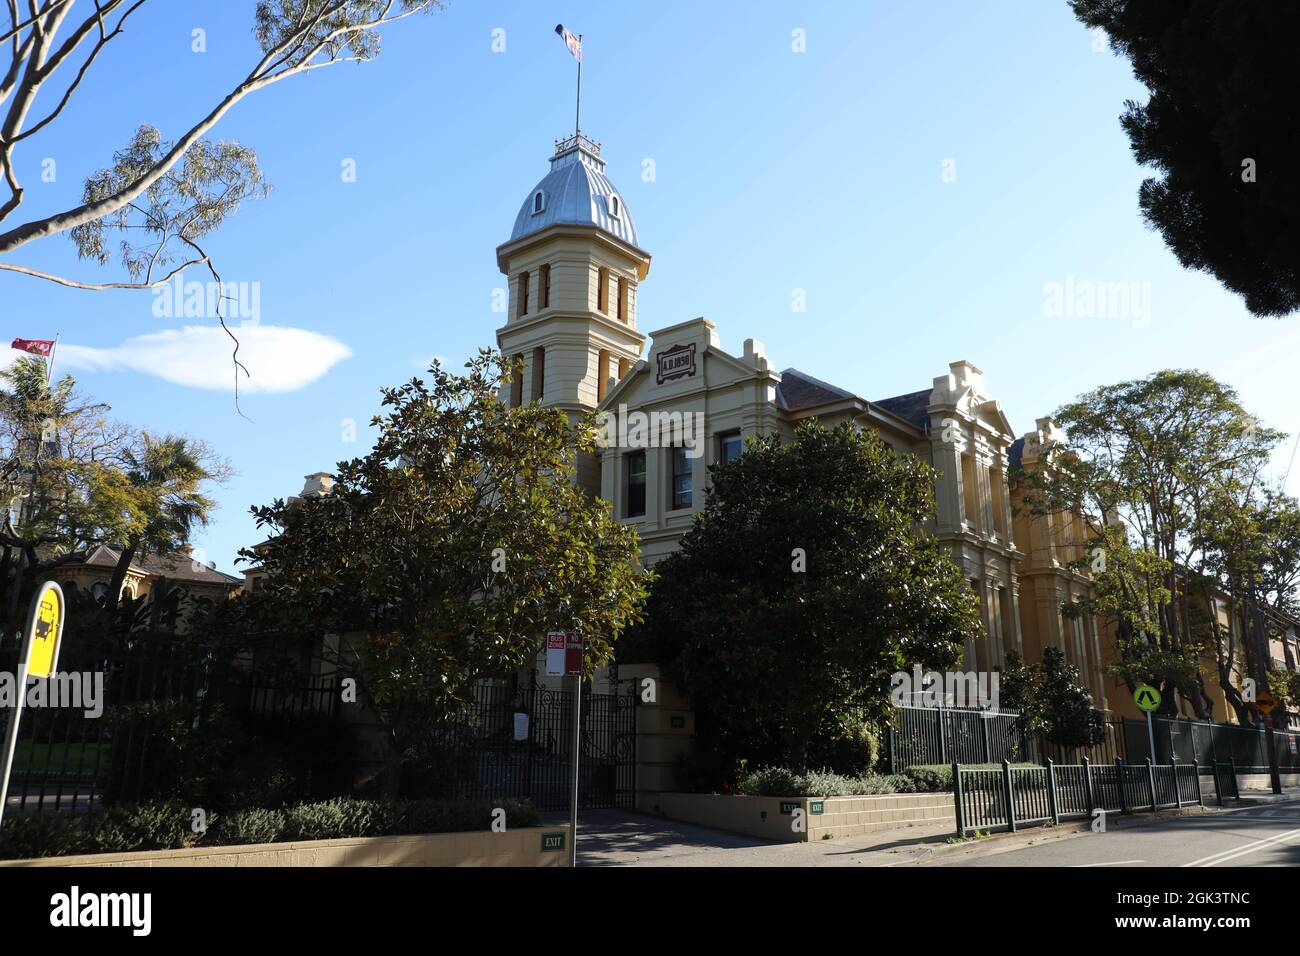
119, 574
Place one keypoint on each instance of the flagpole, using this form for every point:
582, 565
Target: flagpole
49, 366
577, 115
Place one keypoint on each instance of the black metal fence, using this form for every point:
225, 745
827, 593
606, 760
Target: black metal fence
1206, 743
1012, 797
518, 742
942, 735
134, 703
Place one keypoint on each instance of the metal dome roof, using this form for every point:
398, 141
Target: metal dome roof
575, 192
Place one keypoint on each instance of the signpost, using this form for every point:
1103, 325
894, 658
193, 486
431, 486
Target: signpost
1148, 699
564, 659
39, 657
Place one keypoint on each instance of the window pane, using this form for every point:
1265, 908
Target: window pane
681, 479
635, 464
731, 446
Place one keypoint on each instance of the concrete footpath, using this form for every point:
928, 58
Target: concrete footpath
627, 838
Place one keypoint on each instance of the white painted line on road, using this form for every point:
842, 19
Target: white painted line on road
1226, 855
1084, 866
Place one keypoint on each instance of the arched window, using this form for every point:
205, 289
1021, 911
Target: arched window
615, 206
539, 202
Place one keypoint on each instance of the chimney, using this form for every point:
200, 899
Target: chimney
317, 484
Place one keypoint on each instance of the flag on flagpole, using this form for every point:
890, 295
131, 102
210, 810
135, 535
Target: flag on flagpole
572, 42
40, 347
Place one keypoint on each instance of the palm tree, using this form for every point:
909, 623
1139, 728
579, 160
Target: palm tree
167, 475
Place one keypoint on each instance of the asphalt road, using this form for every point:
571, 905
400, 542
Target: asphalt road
1267, 835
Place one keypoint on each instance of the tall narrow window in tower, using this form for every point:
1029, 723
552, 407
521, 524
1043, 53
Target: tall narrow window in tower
602, 290
1008, 623
634, 493
680, 493
623, 366
622, 299
544, 287
517, 384
539, 374
999, 518
602, 375
523, 294
970, 492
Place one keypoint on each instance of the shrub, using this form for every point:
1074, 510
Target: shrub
847, 743
147, 826
341, 817
250, 826
41, 834
782, 782
930, 777
938, 776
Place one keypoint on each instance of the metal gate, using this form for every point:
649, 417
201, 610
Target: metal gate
518, 742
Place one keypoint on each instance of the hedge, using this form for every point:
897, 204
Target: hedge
168, 826
783, 782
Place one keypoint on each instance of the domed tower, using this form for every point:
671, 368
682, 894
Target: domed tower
573, 265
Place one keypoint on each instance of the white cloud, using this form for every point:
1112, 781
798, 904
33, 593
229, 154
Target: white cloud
278, 359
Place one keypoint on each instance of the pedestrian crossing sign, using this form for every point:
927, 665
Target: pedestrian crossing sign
1147, 698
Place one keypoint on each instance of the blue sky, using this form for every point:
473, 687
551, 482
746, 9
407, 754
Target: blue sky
774, 171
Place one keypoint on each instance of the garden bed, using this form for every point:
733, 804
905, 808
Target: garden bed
527, 846
176, 827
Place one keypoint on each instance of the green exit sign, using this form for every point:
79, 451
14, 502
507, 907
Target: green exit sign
552, 842
817, 807
789, 806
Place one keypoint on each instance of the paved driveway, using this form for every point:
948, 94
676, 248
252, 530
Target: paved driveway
624, 838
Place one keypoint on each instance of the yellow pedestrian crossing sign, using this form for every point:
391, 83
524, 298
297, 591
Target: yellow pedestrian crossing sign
1147, 698
44, 630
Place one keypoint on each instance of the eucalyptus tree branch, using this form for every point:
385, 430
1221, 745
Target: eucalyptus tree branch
260, 78
100, 286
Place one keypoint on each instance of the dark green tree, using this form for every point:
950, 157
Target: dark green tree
1051, 699
444, 555
803, 585
1221, 73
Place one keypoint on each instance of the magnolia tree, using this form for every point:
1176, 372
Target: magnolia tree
445, 555
807, 581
